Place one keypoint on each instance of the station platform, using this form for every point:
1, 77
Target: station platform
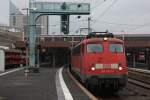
38, 86
76, 92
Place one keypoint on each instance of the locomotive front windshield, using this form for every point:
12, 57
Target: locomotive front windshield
116, 48
94, 48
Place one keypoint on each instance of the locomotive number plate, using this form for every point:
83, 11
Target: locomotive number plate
114, 66
106, 65
107, 71
98, 66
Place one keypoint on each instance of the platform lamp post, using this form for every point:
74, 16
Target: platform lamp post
27, 41
27, 37
89, 29
38, 47
89, 25
123, 37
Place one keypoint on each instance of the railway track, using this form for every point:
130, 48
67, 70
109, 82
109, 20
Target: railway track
139, 77
92, 94
138, 87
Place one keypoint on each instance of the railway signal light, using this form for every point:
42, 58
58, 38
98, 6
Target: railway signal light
65, 28
65, 24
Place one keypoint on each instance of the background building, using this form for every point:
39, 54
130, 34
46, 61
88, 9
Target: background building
4, 18
19, 20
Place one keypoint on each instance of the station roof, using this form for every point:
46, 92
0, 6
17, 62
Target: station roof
62, 41
55, 44
131, 37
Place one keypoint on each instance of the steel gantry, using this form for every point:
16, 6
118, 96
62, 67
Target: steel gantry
64, 9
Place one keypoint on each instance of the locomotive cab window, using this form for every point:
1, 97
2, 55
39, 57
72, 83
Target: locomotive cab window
116, 48
94, 48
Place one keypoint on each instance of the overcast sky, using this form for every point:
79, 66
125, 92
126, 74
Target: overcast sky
128, 16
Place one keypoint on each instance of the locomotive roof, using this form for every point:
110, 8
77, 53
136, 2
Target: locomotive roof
100, 36
101, 39
92, 40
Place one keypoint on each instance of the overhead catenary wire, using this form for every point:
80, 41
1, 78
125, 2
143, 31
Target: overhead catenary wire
107, 22
139, 27
97, 5
132, 27
123, 24
106, 10
129, 26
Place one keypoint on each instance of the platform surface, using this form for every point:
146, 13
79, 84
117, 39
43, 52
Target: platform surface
39, 86
76, 92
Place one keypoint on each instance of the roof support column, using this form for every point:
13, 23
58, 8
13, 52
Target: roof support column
32, 39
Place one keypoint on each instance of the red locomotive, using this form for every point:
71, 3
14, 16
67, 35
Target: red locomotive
99, 60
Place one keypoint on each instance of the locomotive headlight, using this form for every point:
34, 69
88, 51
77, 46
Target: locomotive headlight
120, 68
105, 38
93, 68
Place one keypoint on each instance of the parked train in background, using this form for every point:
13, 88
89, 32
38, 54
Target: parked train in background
12, 58
99, 60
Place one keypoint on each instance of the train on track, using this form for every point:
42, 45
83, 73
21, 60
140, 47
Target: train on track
99, 60
12, 57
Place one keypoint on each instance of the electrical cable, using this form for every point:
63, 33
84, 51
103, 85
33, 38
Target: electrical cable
105, 11
98, 5
123, 24
139, 27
